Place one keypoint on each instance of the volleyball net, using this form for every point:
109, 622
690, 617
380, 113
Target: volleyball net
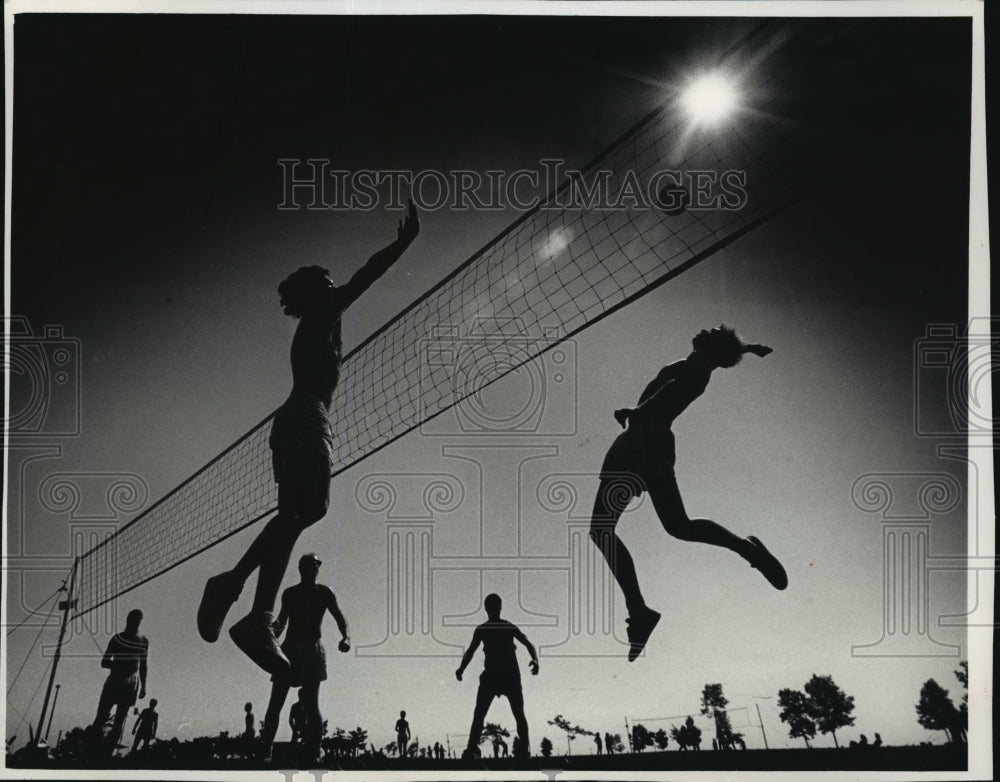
662, 197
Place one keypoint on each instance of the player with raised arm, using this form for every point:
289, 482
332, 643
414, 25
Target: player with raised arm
642, 459
500, 676
303, 607
301, 441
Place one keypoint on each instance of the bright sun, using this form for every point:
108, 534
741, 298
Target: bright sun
709, 98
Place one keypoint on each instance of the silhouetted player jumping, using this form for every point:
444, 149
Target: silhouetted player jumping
642, 459
500, 675
302, 448
125, 658
303, 607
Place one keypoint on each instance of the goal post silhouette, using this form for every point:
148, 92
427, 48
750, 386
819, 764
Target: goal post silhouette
659, 199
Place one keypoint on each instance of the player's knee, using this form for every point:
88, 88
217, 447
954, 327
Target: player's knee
679, 525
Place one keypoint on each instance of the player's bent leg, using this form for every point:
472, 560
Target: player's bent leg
612, 498
670, 508
254, 636
220, 593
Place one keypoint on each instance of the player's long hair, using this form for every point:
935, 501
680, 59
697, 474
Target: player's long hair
299, 288
725, 347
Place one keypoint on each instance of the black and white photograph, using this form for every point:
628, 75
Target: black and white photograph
447, 390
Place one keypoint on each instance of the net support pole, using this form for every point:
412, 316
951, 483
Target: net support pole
761, 723
65, 605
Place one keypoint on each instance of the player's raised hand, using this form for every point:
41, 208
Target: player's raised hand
410, 227
758, 350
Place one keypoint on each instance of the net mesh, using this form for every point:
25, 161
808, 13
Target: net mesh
556, 270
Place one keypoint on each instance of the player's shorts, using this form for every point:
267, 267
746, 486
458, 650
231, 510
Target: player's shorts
500, 684
300, 437
121, 691
307, 662
647, 455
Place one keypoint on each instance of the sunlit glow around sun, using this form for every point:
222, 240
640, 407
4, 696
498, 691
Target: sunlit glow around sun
709, 98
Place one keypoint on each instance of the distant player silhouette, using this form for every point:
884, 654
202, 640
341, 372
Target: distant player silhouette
126, 659
144, 729
609, 744
303, 607
301, 442
597, 741
402, 734
642, 459
249, 731
500, 675
296, 718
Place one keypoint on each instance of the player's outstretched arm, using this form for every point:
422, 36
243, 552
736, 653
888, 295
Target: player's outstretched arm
380, 262
520, 636
467, 657
345, 634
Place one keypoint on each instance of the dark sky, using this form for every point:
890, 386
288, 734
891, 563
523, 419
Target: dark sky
137, 133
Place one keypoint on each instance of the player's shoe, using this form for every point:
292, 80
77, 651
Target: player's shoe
470, 754
764, 561
640, 627
254, 637
220, 593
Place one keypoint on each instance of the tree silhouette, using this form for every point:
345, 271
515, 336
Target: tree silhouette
493, 732
829, 707
935, 711
795, 711
688, 736
641, 737
713, 703
572, 731
962, 674
546, 748
661, 739
357, 740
